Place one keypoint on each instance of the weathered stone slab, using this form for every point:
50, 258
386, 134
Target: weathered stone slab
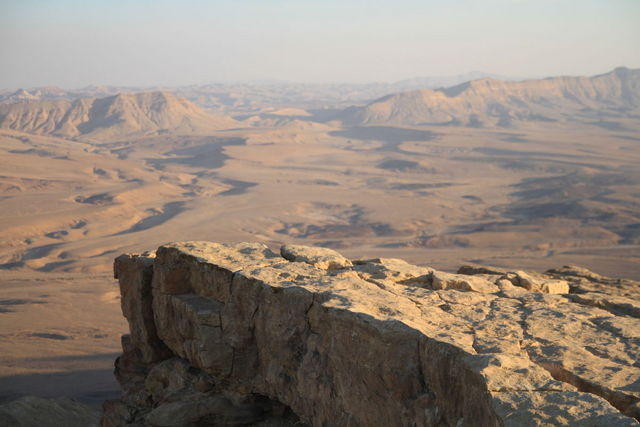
324, 258
375, 342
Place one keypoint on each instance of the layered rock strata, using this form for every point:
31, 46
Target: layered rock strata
235, 334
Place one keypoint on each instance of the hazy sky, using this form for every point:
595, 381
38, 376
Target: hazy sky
137, 42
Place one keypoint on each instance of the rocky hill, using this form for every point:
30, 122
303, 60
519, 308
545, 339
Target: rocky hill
235, 334
112, 117
490, 102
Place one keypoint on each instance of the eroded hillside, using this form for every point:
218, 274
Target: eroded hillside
488, 102
114, 117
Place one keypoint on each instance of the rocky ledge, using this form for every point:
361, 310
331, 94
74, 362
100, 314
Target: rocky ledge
235, 334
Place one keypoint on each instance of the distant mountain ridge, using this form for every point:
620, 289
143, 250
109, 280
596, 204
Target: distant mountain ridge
490, 102
484, 101
436, 82
111, 117
250, 97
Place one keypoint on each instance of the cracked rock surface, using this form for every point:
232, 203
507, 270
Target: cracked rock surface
235, 334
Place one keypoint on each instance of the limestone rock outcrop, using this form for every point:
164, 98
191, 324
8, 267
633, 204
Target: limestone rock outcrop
235, 334
324, 258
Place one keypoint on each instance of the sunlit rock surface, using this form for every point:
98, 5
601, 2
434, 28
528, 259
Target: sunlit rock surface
235, 334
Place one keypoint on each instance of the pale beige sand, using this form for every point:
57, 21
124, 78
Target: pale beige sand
60, 335
67, 208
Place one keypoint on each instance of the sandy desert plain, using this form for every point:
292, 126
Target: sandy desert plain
135, 171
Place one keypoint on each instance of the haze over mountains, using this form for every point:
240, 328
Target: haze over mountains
254, 96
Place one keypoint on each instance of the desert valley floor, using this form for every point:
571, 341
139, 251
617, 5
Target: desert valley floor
435, 196
533, 197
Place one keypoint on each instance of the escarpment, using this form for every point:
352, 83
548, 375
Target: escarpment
235, 334
496, 103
